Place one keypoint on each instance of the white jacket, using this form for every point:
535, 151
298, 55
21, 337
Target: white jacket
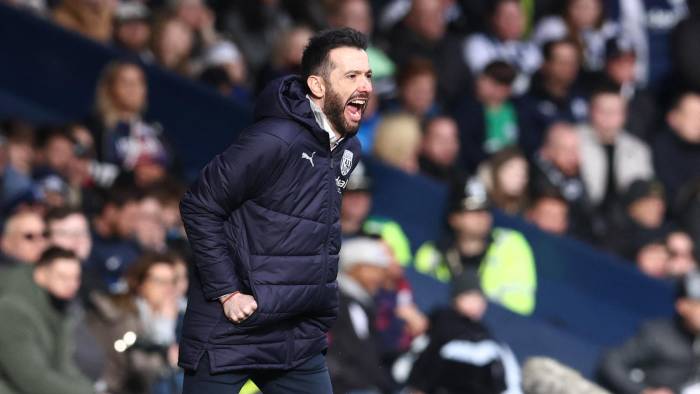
633, 161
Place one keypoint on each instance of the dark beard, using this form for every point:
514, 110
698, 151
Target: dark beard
334, 107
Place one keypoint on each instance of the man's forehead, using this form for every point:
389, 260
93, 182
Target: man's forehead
349, 58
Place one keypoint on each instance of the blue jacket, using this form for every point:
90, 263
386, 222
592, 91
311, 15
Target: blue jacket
263, 219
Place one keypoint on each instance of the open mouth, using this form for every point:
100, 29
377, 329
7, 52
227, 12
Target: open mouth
355, 107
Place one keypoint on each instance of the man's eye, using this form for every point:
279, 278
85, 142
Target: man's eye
352, 76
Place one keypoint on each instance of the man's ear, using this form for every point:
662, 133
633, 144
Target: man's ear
316, 86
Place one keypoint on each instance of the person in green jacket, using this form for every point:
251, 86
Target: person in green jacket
503, 257
36, 333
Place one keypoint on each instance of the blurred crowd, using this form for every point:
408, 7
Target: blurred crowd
580, 116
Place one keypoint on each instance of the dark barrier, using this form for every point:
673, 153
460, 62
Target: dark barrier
48, 74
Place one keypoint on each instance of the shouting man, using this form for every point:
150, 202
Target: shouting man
263, 222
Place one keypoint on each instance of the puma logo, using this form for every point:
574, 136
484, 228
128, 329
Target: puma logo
305, 156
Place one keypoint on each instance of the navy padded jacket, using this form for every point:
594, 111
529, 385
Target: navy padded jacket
263, 218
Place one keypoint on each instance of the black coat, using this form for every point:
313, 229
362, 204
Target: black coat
454, 363
263, 219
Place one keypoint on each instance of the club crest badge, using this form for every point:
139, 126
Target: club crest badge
346, 164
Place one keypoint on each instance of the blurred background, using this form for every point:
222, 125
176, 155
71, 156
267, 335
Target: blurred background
524, 219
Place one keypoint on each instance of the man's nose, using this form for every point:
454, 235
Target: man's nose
365, 86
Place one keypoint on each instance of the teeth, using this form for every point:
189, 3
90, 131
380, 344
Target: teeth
358, 102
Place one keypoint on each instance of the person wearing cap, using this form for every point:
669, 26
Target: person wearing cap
642, 220
503, 257
353, 358
662, 358
132, 30
490, 120
462, 356
621, 70
400, 318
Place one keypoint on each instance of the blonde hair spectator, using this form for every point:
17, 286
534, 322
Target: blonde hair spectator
397, 141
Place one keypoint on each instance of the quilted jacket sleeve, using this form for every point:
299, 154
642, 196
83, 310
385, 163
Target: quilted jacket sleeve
230, 179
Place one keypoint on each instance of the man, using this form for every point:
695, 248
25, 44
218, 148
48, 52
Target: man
36, 335
549, 212
114, 247
23, 239
440, 150
449, 364
504, 42
263, 222
489, 120
68, 229
677, 149
662, 358
643, 220
553, 94
353, 357
557, 165
611, 158
502, 256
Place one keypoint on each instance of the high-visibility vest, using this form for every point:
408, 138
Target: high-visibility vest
507, 271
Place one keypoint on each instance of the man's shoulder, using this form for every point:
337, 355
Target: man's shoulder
283, 130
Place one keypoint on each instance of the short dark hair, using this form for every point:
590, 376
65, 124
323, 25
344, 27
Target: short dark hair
678, 99
315, 58
502, 72
548, 47
414, 68
137, 274
60, 213
606, 87
54, 253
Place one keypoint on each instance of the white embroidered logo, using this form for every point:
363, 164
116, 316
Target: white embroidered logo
346, 164
305, 156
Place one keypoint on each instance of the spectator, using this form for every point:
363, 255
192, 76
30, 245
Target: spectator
649, 25
93, 19
17, 181
502, 256
584, 21
23, 239
397, 142
353, 359
643, 218
114, 247
423, 34
255, 25
505, 41
36, 335
357, 14
132, 30
286, 57
149, 228
685, 47
682, 250
506, 178
455, 332
138, 328
557, 165
197, 16
621, 70
611, 158
123, 137
490, 120
440, 150
417, 85
68, 229
662, 371
553, 94
677, 150
549, 212
652, 259
172, 44
355, 219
